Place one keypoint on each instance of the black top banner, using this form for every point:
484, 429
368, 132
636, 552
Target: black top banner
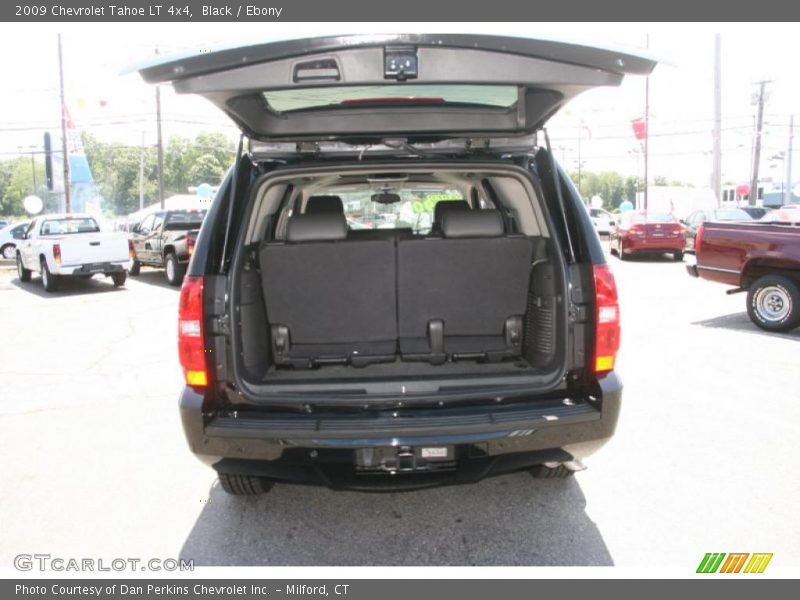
404, 10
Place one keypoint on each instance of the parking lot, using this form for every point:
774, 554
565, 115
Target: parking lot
96, 463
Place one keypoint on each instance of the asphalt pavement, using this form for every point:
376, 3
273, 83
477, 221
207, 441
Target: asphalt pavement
95, 463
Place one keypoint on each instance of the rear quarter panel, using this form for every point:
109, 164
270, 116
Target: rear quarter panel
728, 249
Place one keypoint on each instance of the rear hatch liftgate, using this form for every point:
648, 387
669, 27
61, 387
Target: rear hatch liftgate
419, 87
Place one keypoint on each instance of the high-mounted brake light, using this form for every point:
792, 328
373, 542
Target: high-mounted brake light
57, 253
607, 337
698, 239
191, 338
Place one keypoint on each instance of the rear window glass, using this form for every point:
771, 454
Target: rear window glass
185, 220
501, 96
69, 225
651, 218
414, 210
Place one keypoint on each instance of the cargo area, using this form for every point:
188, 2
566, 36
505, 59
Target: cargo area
404, 276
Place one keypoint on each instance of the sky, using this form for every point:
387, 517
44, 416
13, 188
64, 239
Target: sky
120, 107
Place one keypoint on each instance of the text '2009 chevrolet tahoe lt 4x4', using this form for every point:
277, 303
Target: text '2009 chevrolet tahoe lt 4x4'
396, 285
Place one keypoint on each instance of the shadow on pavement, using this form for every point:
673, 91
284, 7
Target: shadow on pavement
68, 286
741, 322
154, 277
507, 520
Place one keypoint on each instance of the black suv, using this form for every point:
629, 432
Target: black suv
396, 286
166, 239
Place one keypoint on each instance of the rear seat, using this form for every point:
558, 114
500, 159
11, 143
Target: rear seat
463, 296
329, 299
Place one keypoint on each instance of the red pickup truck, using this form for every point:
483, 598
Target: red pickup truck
761, 259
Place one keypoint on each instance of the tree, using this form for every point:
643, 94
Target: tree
16, 182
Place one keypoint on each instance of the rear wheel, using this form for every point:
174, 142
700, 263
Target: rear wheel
677, 256
119, 278
244, 485
23, 273
621, 250
174, 270
543, 472
49, 281
136, 267
773, 303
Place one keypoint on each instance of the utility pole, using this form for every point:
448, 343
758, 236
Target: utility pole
64, 145
716, 168
646, 126
757, 147
160, 147
787, 192
33, 171
141, 174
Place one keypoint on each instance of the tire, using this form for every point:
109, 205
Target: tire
621, 251
244, 485
119, 278
9, 251
773, 303
49, 281
542, 472
136, 268
611, 248
174, 270
677, 256
23, 273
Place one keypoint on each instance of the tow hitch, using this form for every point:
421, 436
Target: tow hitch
404, 459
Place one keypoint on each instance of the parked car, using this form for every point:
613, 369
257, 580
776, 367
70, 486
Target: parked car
72, 245
10, 235
639, 232
165, 240
603, 221
761, 259
786, 214
4, 223
377, 358
755, 212
698, 217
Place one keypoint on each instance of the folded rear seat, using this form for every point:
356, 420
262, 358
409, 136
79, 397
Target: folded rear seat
463, 296
329, 300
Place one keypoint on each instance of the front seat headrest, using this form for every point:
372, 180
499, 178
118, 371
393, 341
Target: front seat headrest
324, 204
444, 206
326, 226
474, 223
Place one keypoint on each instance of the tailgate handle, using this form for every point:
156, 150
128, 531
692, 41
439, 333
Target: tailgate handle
325, 69
94, 243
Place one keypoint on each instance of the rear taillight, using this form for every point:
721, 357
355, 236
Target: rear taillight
189, 245
698, 239
57, 253
607, 315
131, 250
191, 338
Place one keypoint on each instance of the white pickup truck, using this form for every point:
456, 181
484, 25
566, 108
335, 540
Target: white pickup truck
72, 245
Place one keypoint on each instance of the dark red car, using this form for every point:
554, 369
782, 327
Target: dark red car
654, 232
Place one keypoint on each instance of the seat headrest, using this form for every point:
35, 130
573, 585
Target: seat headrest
444, 206
317, 227
324, 204
473, 223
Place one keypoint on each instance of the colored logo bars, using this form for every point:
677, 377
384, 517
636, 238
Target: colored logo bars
718, 563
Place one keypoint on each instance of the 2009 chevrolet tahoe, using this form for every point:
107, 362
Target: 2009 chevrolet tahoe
396, 285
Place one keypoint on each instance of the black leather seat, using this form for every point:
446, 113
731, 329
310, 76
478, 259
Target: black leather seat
445, 206
463, 296
329, 299
324, 204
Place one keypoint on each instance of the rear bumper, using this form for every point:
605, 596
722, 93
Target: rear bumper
483, 440
92, 268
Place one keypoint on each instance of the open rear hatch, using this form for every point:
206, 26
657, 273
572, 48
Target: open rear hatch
421, 87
